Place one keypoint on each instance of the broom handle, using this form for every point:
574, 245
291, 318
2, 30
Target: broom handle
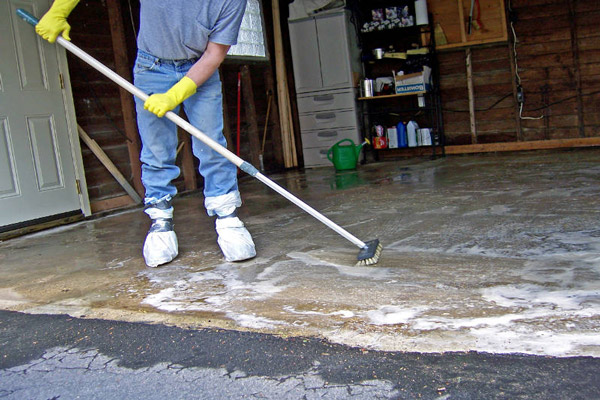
192, 130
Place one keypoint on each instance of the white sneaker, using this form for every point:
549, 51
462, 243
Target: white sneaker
234, 239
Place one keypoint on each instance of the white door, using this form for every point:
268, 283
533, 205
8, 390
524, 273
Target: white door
37, 168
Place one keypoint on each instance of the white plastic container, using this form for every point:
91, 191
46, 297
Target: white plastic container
411, 133
425, 137
392, 134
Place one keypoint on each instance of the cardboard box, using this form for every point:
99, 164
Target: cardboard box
417, 82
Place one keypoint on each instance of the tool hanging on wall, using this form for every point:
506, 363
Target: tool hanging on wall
239, 107
470, 23
369, 251
264, 138
474, 23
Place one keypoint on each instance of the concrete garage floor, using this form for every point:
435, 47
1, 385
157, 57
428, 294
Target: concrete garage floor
492, 253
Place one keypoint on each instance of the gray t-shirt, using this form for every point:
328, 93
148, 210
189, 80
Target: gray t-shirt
181, 29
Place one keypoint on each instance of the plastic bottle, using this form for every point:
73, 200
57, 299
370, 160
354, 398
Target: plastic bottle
411, 133
401, 132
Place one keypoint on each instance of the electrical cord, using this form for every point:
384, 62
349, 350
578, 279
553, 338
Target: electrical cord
515, 40
481, 109
533, 109
565, 99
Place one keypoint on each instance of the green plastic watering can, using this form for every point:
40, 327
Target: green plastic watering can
344, 154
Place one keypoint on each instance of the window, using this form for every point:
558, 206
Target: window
251, 39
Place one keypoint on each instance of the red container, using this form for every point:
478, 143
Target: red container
380, 142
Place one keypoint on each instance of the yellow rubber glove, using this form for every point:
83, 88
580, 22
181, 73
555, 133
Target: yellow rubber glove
160, 103
54, 22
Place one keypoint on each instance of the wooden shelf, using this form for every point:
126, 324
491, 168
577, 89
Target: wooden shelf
419, 151
391, 96
452, 17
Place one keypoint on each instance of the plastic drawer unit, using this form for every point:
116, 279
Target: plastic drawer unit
325, 120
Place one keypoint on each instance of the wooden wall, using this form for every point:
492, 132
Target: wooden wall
493, 88
558, 58
559, 55
97, 102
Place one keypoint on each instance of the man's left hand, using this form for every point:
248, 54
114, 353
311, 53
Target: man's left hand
161, 103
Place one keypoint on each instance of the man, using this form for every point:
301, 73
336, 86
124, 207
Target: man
181, 44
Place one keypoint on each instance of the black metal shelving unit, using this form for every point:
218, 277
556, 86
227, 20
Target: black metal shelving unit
388, 109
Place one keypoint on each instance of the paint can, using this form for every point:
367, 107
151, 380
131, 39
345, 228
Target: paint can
367, 88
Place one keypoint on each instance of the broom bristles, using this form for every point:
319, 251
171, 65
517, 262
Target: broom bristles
369, 254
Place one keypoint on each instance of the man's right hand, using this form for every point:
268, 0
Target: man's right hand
54, 22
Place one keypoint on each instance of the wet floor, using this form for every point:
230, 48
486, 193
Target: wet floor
491, 253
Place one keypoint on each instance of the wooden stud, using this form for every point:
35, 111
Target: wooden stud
285, 119
127, 104
187, 161
250, 113
576, 65
264, 136
226, 119
111, 204
110, 166
292, 133
274, 117
471, 91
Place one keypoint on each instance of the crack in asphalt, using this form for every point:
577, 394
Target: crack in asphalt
85, 364
47, 356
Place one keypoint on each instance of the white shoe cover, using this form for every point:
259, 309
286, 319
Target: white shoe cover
223, 205
234, 239
160, 248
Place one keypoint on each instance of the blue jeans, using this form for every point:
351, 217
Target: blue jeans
159, 135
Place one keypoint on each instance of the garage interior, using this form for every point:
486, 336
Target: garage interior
490, 234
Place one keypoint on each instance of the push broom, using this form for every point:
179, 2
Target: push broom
369, 251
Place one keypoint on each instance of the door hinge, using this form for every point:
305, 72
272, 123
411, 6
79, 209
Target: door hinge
62, 81
78, 184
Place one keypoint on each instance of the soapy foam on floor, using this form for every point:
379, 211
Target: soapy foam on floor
393, 315
559, 316
215, 291
357, 272
341, 313
547, 303
254, 322
219, 289
520, 312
